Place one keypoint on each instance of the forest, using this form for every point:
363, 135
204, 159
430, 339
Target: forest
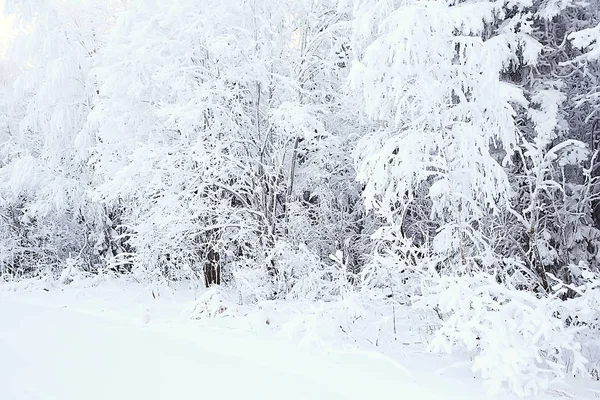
440, 156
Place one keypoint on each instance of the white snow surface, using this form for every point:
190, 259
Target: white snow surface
117, 342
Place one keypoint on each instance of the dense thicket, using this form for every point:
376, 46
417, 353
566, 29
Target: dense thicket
442, 153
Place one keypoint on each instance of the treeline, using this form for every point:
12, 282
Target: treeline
438, 153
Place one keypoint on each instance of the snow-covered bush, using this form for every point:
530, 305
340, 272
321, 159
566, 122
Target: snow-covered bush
516, 338
213, 302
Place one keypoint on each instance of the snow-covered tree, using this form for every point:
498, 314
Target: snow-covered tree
47, 214
221, 135
551, 224
466, 160
429, 170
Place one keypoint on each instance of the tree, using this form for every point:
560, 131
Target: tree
210, 134
428, 170
44, 179
465, 126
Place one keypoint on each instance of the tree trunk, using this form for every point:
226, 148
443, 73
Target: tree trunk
212, 269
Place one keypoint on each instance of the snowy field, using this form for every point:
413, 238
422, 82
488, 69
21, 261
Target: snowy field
118, 342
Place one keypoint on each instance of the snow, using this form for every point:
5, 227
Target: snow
222, 140
117, 342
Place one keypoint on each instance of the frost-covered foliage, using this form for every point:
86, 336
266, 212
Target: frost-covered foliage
222, 136
554, 173
480, 166
428, 170
517, 338
47, 214
369, 154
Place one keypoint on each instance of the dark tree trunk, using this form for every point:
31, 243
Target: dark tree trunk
212, 269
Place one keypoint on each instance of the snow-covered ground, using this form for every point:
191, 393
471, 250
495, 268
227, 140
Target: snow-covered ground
118, 342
